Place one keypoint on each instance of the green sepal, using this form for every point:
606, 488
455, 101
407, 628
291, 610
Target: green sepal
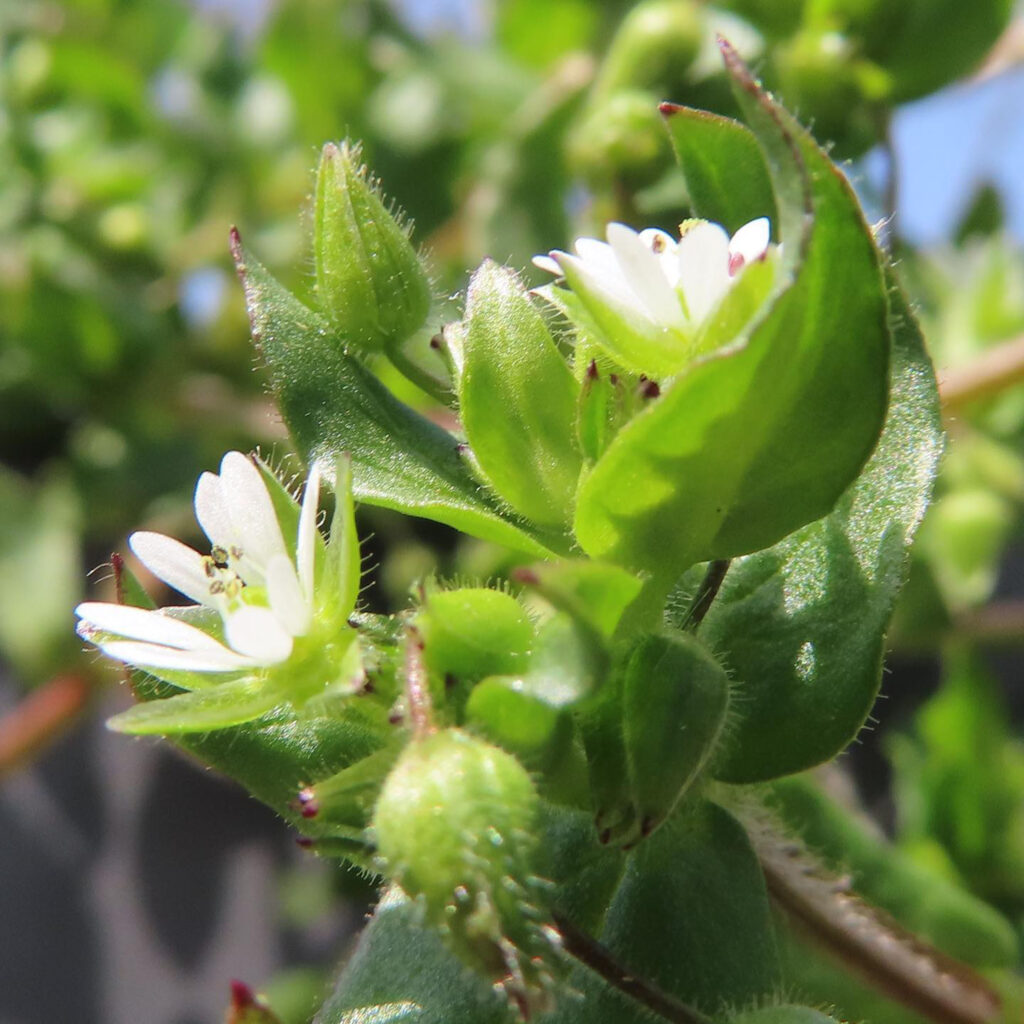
675, 702
723, 167
517, 399
277, 755
216, 707
505, 710
346, 799
370, 281
333, 406
594, 593
801, 626
474, 632
759, 438
344, 559
947, 916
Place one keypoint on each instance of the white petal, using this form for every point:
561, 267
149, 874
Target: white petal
548, 263
703, 254
173, 562
212, 511
608, 288
305, 547
642, 271
143, 624
287, 600
749, 244
144, 655
598, 255
251, 510
663, 245
256, 632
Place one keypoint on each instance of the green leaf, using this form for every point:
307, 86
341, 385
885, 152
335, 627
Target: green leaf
759, 438
691, 913
785, 1014
333, 405
517, 398
229, 703
801, 626
723, 166
344, 559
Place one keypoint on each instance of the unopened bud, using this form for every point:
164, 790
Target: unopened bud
370, 281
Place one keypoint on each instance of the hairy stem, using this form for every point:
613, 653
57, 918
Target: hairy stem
886, 955
417, 687
590, 952
991, 373
423, 379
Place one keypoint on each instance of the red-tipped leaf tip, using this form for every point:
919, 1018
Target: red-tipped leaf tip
667, 108
242, 997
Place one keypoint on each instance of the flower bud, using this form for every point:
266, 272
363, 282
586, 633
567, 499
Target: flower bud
455, 827
621, 137
370, 281
654, 48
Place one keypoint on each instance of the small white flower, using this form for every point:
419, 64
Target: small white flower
259, 585
649, 293
650, 275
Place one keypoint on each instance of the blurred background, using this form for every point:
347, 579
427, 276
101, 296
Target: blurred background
134, 885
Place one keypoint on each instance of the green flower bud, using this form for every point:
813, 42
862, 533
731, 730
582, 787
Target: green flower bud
455, 827
370, 281
621, 137
820, 75
653, 49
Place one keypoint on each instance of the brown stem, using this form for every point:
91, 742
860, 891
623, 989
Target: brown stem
417, 686
992, 372
590, 952
708, 591
40, 718
888, 957
999, 621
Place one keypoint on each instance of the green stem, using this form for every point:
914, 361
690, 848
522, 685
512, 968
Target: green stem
433, 386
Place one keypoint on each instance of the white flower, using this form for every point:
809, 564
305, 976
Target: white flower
259, 586
646, 291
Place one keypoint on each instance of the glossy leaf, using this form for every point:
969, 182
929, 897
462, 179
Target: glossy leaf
517, 398
761, 437
801, 626
333, 405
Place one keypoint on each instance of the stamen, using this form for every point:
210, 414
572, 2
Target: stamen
210, 567
219, 556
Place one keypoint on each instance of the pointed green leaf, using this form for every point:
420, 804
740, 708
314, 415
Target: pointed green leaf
517, 398
334, 405
801, 626
230, 703
759, 438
